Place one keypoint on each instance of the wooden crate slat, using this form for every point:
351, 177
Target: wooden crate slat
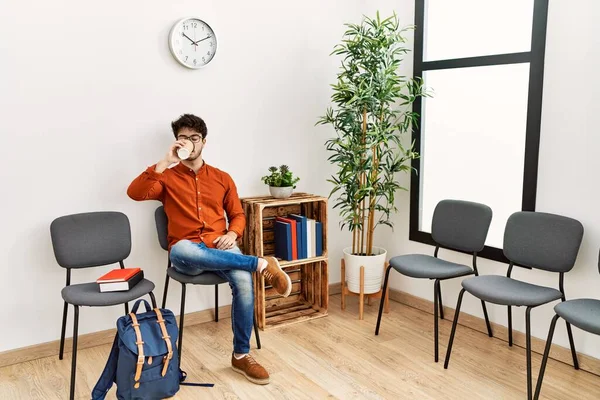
284, 301
287, 310
311, 283
268, 224
302, 261
280, 211
268, 249
291, 315
293, 319
257, 228
268, 236
284, 306
325, 286
284, 202
317, 287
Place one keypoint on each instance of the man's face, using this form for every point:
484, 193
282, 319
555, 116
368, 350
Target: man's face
194, 137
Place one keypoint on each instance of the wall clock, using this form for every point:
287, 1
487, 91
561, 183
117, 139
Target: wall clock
192, 42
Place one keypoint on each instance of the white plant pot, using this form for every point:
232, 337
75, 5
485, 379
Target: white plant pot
281, 192
374, 268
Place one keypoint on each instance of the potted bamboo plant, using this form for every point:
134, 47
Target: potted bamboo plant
372, 110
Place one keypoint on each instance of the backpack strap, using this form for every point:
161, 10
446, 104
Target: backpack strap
140, 345
166, 337
109, 374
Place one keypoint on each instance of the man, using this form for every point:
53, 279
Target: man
195, 197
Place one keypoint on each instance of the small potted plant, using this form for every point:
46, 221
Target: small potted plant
281, 181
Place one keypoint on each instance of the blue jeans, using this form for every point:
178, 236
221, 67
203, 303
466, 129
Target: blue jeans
194, 258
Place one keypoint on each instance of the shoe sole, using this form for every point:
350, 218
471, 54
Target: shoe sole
251, 379
287, 278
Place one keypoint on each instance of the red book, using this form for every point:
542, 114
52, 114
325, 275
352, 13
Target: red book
294, 239
118, 275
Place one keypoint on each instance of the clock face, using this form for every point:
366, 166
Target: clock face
193, 42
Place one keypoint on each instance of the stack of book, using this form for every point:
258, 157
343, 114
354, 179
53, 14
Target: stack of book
120, 279
298, 237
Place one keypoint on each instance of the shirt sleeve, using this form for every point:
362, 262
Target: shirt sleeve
233, 208
149, 185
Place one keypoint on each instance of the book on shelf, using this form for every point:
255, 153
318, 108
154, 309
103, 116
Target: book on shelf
302, 239
283, 240
311, 239
294, 235
319, 239
121, 279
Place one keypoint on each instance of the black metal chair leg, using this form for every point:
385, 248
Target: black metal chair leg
216, 303
510, 336
572, 344
436, 291
487, 319
454, 323
181, 316
528, 350
440, 301
62, 331
385, 283
153, 299
126, 308
256, 334
166, 291
74, 355
538, 387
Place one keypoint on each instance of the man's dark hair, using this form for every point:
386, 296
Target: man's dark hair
189, 121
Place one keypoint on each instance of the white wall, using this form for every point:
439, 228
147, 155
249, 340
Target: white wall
87, 94
567, 182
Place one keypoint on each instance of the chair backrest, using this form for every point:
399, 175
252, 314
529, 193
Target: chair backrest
461, 225
541, 240
91, 239
162, 225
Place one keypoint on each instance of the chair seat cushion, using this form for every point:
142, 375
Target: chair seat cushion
205, 278
509, 292
88, 294
583, 313
424, 266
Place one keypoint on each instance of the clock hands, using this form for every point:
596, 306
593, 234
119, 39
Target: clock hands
198, 41
194, 43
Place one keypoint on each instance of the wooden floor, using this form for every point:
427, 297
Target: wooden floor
332, 357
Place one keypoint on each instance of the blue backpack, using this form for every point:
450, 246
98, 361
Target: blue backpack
143, 362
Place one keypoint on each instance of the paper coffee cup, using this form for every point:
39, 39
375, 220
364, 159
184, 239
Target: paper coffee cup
183, 153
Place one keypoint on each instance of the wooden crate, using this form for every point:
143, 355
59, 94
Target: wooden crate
310, 277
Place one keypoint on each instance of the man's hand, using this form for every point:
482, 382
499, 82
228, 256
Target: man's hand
225, 242
171, 157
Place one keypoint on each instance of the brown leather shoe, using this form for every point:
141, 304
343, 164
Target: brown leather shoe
252, 370
277, 277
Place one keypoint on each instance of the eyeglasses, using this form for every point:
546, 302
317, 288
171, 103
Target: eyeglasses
193, 138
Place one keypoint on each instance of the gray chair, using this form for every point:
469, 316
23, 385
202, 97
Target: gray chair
583, 313
456, 225
92, 240
205, 278
531, 240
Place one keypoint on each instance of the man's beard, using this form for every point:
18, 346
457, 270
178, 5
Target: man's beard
193, 158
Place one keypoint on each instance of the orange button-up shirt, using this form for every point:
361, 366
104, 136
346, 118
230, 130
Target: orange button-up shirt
195, 204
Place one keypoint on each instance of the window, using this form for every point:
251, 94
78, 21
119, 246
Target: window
478, 135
